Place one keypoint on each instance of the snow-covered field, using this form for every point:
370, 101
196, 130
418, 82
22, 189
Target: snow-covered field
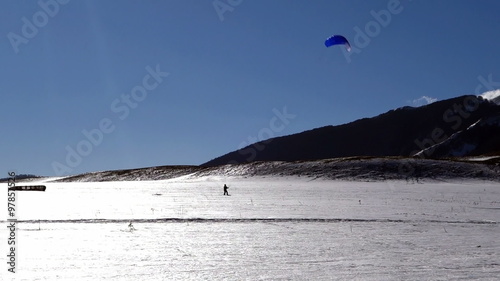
270, 228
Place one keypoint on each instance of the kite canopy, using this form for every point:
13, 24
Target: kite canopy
338, 40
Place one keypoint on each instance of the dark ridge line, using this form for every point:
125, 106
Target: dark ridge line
238, 220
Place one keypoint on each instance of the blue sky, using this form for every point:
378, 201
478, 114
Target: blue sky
182, 82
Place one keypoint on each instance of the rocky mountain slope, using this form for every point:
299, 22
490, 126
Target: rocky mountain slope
402, 132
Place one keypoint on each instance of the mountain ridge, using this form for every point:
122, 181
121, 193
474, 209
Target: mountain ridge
402, 132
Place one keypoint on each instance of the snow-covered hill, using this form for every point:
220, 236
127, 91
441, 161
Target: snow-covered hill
351, 168
492, 96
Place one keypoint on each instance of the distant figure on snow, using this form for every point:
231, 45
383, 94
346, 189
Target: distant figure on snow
225, 190
131, 227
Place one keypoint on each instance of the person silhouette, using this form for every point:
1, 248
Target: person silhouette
131, 227
225, 190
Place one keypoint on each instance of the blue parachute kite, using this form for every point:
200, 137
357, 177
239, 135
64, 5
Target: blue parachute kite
338, 40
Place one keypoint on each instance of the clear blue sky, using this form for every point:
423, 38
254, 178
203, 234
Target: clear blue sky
233, 67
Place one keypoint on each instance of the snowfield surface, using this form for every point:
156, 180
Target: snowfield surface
270, 228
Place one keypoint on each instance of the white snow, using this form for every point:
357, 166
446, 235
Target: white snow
481, 158
270, 228
493, 95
